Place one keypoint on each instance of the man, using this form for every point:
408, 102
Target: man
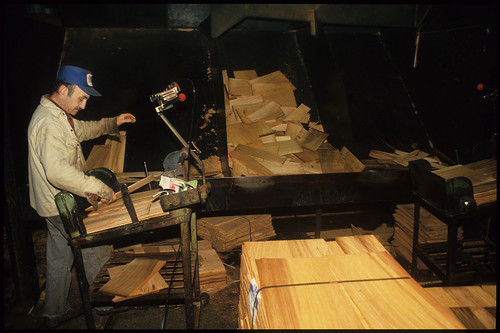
56, 163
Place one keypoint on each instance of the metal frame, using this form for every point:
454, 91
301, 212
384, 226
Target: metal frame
451, 200
184, 217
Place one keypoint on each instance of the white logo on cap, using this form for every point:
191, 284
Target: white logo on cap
89, 80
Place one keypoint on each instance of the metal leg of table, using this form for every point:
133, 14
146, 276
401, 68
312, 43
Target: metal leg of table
416, 227
317, 232
194, 257
451, 256
186, 270
83, 286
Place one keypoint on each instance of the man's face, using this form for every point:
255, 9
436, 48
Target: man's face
74, 103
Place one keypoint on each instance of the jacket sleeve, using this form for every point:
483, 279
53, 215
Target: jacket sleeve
87, 130
55, 156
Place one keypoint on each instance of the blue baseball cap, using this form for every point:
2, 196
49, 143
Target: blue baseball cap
78, 76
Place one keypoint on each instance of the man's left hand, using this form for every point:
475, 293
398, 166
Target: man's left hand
125, 118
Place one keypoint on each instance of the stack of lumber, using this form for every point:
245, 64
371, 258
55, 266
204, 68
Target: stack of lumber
268, 134
403, 158
350, 283
229, 232
137, 278
111, 155
213, 275
431, 230
482, 174
474, 306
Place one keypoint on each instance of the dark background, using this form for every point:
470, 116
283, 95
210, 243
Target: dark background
358, 77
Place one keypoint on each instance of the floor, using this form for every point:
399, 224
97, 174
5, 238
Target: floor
221, 312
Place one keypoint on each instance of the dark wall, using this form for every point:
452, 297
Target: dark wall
31, 57
457, 51
129, 65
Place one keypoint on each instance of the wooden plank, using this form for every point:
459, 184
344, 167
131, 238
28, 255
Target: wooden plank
133, 277
269, 111
293, 129
154, 284
330, 160
287, 147
240, 87
352, 163
335, 248
399, 304
266, 155
268, 138
247, 74
313, 167
251, 163
245, 110
97, 156
475, 318
285, 97
245, 100
366, 266
268, 89
300, 114
414, 155
261, 128
287, 168
360, 244
273, 77
382, 155
242, 134
313, 139
308, 155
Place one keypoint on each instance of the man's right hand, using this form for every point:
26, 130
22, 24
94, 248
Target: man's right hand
106, 201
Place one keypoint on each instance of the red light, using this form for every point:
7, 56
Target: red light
480, 87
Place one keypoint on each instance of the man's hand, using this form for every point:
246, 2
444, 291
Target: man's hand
113, 198
125, 118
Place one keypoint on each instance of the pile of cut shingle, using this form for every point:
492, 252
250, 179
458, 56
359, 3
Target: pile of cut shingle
268, 134
431, 230
212, 273
403, 158
349, 283
229, 232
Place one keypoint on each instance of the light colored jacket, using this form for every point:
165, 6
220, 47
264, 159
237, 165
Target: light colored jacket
55, 157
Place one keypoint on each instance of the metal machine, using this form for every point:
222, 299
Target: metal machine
192, 193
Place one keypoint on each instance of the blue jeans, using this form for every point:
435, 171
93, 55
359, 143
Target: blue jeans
59, 263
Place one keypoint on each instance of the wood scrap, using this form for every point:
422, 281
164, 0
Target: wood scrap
134, 276
273, 103
97, 156
351, 163
251, 163
300, 114
312, 139
402, 158
260, 153
269, 111
111, 155
245, 74
239, 87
